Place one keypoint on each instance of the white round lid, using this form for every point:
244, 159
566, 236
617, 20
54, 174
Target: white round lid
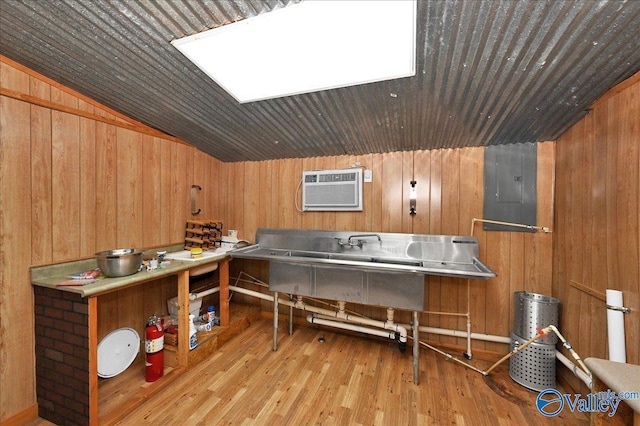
117, 351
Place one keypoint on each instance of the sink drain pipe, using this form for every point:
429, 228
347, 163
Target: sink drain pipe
327, 315
341, 319
316, 319
328, 320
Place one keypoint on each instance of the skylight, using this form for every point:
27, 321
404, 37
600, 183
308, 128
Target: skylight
308, 47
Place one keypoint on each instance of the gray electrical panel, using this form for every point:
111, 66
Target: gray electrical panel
510, 186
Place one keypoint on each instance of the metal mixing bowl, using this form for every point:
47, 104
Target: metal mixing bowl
119, 262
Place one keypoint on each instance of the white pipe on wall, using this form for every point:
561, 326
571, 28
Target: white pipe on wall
615, 326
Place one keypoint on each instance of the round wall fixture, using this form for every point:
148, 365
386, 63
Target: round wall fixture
117, 351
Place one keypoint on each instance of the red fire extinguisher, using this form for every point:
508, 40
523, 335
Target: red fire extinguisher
154, 348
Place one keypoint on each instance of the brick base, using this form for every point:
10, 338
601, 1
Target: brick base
62, 356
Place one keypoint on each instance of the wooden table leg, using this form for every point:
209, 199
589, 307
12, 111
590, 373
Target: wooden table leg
224, 292
183, 318
93, 361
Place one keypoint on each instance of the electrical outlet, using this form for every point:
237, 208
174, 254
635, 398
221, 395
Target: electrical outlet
368, 176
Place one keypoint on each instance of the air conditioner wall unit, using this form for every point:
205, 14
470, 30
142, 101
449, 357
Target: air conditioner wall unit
332, 190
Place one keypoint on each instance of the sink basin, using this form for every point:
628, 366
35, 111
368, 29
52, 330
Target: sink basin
421, 254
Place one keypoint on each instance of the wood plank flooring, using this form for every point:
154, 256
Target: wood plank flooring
345, 380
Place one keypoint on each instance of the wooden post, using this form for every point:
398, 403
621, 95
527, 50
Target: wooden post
93, 361
224, 292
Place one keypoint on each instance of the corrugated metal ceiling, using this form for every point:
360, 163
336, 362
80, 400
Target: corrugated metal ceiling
488, 72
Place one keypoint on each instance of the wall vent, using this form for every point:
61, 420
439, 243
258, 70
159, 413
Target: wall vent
332, 190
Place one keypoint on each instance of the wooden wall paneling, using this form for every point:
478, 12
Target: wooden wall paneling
65, 141
375, 190
131, 309
581, 202
541, 271
266, 183
627, 200
251, 204
309, 219
289, 176
363, 219
613, 246
435, 226
152, 207
17, 375
251, 210
41, 169
129, 189
204, 175
449, 301
470, 205
199, 178
106, 188
213, 184
180, 192
560, 242
596, 226
574, 238
207, 198
107, 313
392, 193
407, 175
154, 301
634, 301
597, 217
515, 272
224, 188
450, 191
185, 157
497, 304
237, 197
421, 174
166, 212
88, 192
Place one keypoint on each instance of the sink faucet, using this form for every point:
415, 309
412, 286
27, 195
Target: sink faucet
358, 242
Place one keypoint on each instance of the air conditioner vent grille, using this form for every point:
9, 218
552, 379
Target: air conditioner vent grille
332, 190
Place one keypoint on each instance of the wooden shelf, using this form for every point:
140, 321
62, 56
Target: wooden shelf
120, 394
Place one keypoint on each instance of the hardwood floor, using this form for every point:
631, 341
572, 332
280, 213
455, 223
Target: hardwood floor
345, 380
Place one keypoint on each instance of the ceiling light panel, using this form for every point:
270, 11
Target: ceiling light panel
307, 47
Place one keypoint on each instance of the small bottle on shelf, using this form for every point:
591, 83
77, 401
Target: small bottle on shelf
193, 333
211, 312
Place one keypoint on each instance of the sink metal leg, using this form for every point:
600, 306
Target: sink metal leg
416, 349
290, 316
275, 321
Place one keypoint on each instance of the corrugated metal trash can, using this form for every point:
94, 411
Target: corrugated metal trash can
535, 366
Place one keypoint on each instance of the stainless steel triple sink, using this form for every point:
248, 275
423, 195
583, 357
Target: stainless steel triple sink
383, 269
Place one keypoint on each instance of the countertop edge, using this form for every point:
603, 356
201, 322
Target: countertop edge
618, 376
52, 275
